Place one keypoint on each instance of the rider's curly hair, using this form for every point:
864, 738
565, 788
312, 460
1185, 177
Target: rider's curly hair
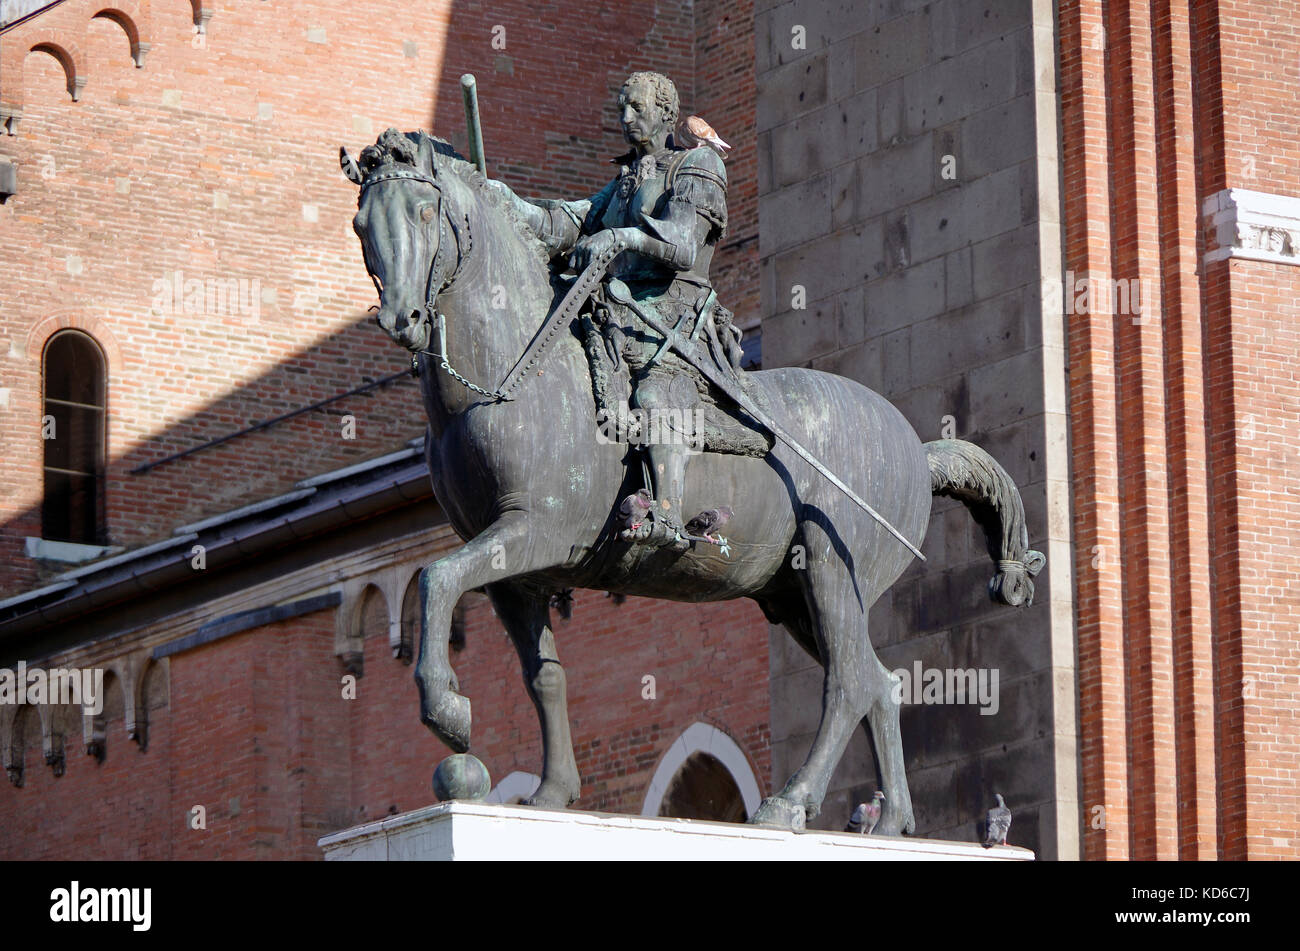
664, 91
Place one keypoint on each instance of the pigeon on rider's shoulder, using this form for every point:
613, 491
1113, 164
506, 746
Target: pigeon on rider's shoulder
999, 821
694, 132
635, 508
866, 817
709, 520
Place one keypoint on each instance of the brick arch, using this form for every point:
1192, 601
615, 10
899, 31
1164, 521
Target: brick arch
97, 328
63, 48
134, 22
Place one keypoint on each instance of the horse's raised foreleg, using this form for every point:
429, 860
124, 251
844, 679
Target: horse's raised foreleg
510, 547
526, 617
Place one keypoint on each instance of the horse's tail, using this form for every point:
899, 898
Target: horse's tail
963, 471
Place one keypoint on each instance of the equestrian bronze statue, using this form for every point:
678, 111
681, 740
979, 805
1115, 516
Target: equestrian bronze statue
590, 426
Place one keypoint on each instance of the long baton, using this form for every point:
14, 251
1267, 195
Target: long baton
469, 89
619, 292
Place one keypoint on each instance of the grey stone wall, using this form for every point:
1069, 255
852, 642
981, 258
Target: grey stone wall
927, 286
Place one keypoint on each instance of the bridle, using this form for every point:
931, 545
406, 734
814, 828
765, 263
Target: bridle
440, 277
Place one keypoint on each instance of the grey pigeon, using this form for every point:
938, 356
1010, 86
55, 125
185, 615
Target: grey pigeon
866, 816
634, 508
708, 521
999, 821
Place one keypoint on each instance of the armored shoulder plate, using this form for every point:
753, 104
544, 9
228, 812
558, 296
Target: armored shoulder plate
700, 162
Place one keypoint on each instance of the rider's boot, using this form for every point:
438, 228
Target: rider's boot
668, 473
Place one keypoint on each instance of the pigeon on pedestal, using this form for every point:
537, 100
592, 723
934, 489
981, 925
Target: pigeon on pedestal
999, 821
866, 816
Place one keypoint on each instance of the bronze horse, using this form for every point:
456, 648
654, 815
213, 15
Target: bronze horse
533, 490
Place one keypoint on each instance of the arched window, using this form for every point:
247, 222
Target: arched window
74, 436
703, 775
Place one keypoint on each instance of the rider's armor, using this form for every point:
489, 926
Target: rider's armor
678, 197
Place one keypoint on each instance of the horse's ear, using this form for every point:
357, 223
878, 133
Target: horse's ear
349, 166
428, 157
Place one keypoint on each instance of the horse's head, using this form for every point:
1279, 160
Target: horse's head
402, 226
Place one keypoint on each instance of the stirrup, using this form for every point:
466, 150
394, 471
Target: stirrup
655, 531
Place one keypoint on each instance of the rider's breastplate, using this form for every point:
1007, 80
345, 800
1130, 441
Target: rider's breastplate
624, 211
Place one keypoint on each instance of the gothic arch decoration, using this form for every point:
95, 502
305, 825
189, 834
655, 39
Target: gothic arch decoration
516, 787
54, 722
95, 725
18, 729
366, 617
132, 685
408, 631
702, 738
146, 683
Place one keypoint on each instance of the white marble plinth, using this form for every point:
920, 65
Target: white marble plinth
470, 831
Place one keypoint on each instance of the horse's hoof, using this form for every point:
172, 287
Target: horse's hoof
450, 721
780, 814
890, 825
550, 797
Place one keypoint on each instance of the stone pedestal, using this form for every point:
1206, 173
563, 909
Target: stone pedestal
461, 831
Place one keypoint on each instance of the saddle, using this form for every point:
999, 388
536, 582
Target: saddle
624, 355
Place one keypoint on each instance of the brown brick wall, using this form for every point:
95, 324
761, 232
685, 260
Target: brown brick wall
1181, 421
258, 733
724, 96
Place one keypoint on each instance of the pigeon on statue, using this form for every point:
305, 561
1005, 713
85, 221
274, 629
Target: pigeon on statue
694, 132
635, 508
866, 817
710, 520
999, 821
858, 819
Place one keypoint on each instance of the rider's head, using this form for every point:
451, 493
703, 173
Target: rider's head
647, 110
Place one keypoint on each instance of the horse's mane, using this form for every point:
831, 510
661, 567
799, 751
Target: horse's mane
430, 154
